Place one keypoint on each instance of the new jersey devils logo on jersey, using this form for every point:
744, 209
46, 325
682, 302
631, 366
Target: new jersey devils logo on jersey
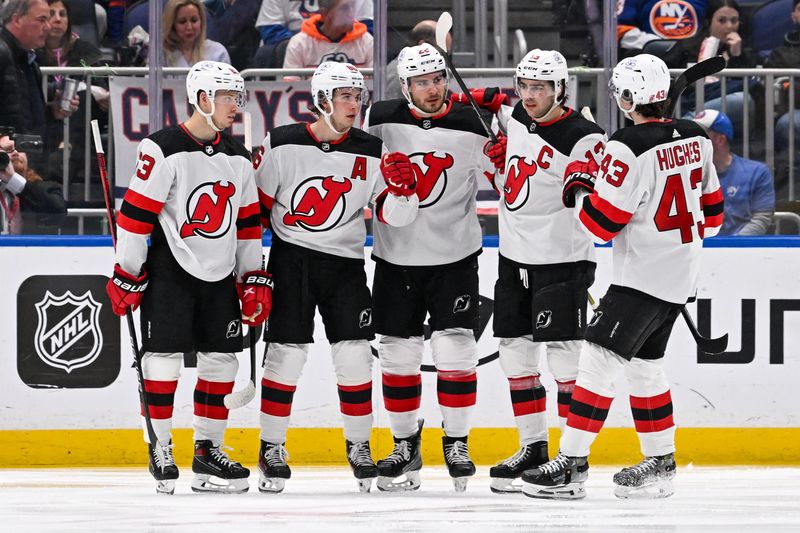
209, 210
431, 171
517, 188
318, 204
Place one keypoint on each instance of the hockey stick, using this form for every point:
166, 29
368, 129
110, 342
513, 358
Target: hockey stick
237, 399
443, 26
137, 354
695, 73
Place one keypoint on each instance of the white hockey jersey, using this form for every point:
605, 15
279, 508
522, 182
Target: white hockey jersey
657, 195
198, 197
535, 227
291, 13
316, 191
446, 152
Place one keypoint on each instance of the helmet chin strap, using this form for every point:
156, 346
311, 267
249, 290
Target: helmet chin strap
209, 116
556, 101
326, 116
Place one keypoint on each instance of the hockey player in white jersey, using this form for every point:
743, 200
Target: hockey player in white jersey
314, 181
546, 261
657, 195
193, 195
429, 266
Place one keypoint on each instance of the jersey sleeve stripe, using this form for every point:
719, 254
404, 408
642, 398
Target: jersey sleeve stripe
249, 233
134, 226
247, 211
598, 222
143, 202
609, 210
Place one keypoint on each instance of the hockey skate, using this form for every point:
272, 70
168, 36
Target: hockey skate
560, 479
215, 472
459, 465
505, 475
399, 471
162, 467
360, 459
650, 479
272, 468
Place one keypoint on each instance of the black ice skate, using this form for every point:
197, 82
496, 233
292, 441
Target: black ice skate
560, 479
459, 465
400, 470
162, 467
215, 472
652, 478
505, 473
360, 459
272, 468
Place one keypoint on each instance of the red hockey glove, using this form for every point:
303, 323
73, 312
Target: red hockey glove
497, 152
489, 98
255, 293
579, 175
125, 290
399, 174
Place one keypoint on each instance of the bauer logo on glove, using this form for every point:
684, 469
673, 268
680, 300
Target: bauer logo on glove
255, 294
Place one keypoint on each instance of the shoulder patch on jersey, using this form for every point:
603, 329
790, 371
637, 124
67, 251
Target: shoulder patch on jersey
290, 134
643, 137
562, 134
388, 111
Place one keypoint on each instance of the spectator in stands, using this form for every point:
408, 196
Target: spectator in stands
236, 31
423, 32
28, 204
184, 31
64, 48
279, 20
331, 35
724, 31
788, 56
26, 24
747, 185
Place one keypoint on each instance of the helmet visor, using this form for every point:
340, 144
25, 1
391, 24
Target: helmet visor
349, 95
231, 97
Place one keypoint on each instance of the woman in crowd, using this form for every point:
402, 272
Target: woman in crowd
184, 30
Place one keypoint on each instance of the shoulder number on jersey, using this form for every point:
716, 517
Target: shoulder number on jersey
616, 175
144, 166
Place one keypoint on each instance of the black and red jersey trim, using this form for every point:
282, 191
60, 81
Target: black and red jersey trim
602, 218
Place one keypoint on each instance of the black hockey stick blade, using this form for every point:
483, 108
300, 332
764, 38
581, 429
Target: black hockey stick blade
443, 26
709, 346
696, 72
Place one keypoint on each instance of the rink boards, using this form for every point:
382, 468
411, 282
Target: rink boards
69, 395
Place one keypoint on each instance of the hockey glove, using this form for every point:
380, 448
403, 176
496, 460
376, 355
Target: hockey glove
125, 290
255, 293
579, 175
489, 98
496, 152
399, 174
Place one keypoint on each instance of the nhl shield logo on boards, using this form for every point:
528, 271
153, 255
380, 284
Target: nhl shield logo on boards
63, 322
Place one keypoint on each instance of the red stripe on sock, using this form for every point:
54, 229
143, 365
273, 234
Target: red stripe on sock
160, 387
583, 423
214, 387
524, 383
651, 426
590, 398
394, 380
457, 400
275, 408
210, 411
529, 408
265, 383
401, 406
651, 402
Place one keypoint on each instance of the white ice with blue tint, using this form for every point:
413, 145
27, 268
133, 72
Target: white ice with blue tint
326, 499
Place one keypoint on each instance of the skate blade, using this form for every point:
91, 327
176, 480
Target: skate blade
364, 485
653, 491
271, 485
501, 485
460, 483
207, 483
404, 482
573, 491
165, 486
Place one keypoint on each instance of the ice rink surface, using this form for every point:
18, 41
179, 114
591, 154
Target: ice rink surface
326, 499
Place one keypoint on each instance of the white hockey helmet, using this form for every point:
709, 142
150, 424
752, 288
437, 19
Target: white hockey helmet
210, 77
330, 76
546, 65
418, 61
637, 80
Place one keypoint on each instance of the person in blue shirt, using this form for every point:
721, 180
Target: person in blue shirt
747, 185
